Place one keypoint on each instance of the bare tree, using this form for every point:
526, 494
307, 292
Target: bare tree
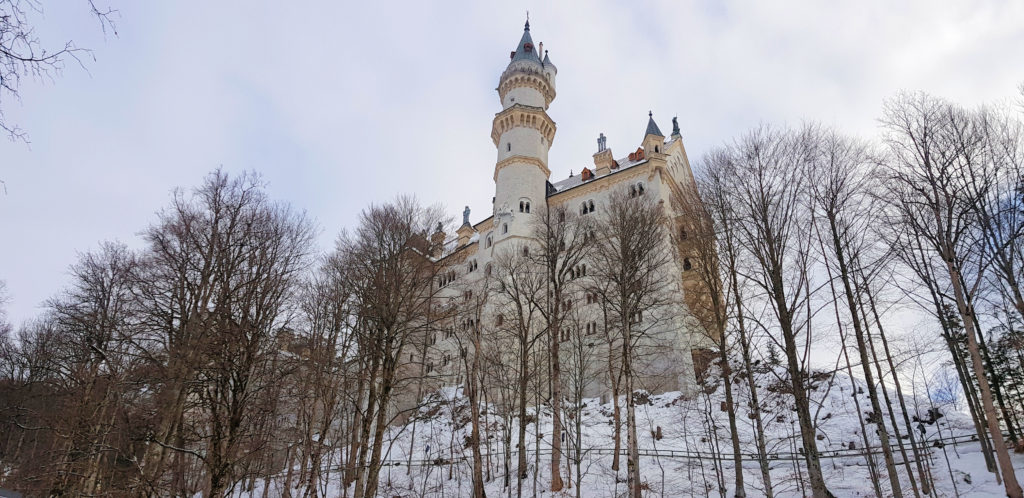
718, 197
561, 244
630, 258
393, 284
695, 235
771, 186
931, 144
22, 53
519, 287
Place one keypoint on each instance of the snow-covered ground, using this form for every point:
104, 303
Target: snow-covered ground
435, 440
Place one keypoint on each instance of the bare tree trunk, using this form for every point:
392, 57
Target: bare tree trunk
1013, 489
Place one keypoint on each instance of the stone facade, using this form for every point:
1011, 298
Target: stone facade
523, 133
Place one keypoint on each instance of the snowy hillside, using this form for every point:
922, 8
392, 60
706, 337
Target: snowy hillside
681, 438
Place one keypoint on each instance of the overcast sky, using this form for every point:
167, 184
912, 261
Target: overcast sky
341, 104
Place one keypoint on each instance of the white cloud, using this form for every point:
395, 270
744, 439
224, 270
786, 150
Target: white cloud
343, 104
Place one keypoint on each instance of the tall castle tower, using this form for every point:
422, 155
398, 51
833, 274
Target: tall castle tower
522, 133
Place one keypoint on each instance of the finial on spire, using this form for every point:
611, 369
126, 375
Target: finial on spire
527, 20
650, 114
675, 125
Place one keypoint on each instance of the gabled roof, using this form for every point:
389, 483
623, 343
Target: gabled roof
577, 180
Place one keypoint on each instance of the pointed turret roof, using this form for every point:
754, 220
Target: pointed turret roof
526, 50
548, 63
652, 127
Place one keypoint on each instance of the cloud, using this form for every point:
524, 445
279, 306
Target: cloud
340, 104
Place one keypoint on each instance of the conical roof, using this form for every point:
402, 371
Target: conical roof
652, 127
526, 51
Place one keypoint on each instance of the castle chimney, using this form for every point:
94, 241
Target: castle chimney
603, 160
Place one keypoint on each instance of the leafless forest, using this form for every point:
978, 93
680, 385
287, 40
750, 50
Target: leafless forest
228, 352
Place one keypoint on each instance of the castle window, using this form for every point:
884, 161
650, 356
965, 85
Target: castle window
524, 207
687, 265
499, 320
527, 207
590, 206
487, 269
526, 251
682, 233
636, 190
504, 228
510, 146
490, 240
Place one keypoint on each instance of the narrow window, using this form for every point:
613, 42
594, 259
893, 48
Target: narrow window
687, 265
510, 146
521, 203
490, 240
527, 207
640, 189
504, 228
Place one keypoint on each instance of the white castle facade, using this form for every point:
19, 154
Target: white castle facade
523, 133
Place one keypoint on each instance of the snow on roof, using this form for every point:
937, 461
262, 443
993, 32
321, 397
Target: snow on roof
577, 180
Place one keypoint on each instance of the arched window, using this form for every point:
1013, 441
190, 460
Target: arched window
499, 320
522, 204
640, 189
687, 266
590, 207
490, 240
526, 251
527, 207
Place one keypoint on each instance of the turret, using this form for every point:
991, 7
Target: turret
522, 133
654, 140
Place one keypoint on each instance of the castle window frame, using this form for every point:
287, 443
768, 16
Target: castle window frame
489, 240
510, 146
504, 228
687, 265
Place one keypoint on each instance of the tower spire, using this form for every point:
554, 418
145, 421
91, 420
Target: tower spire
652, 127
